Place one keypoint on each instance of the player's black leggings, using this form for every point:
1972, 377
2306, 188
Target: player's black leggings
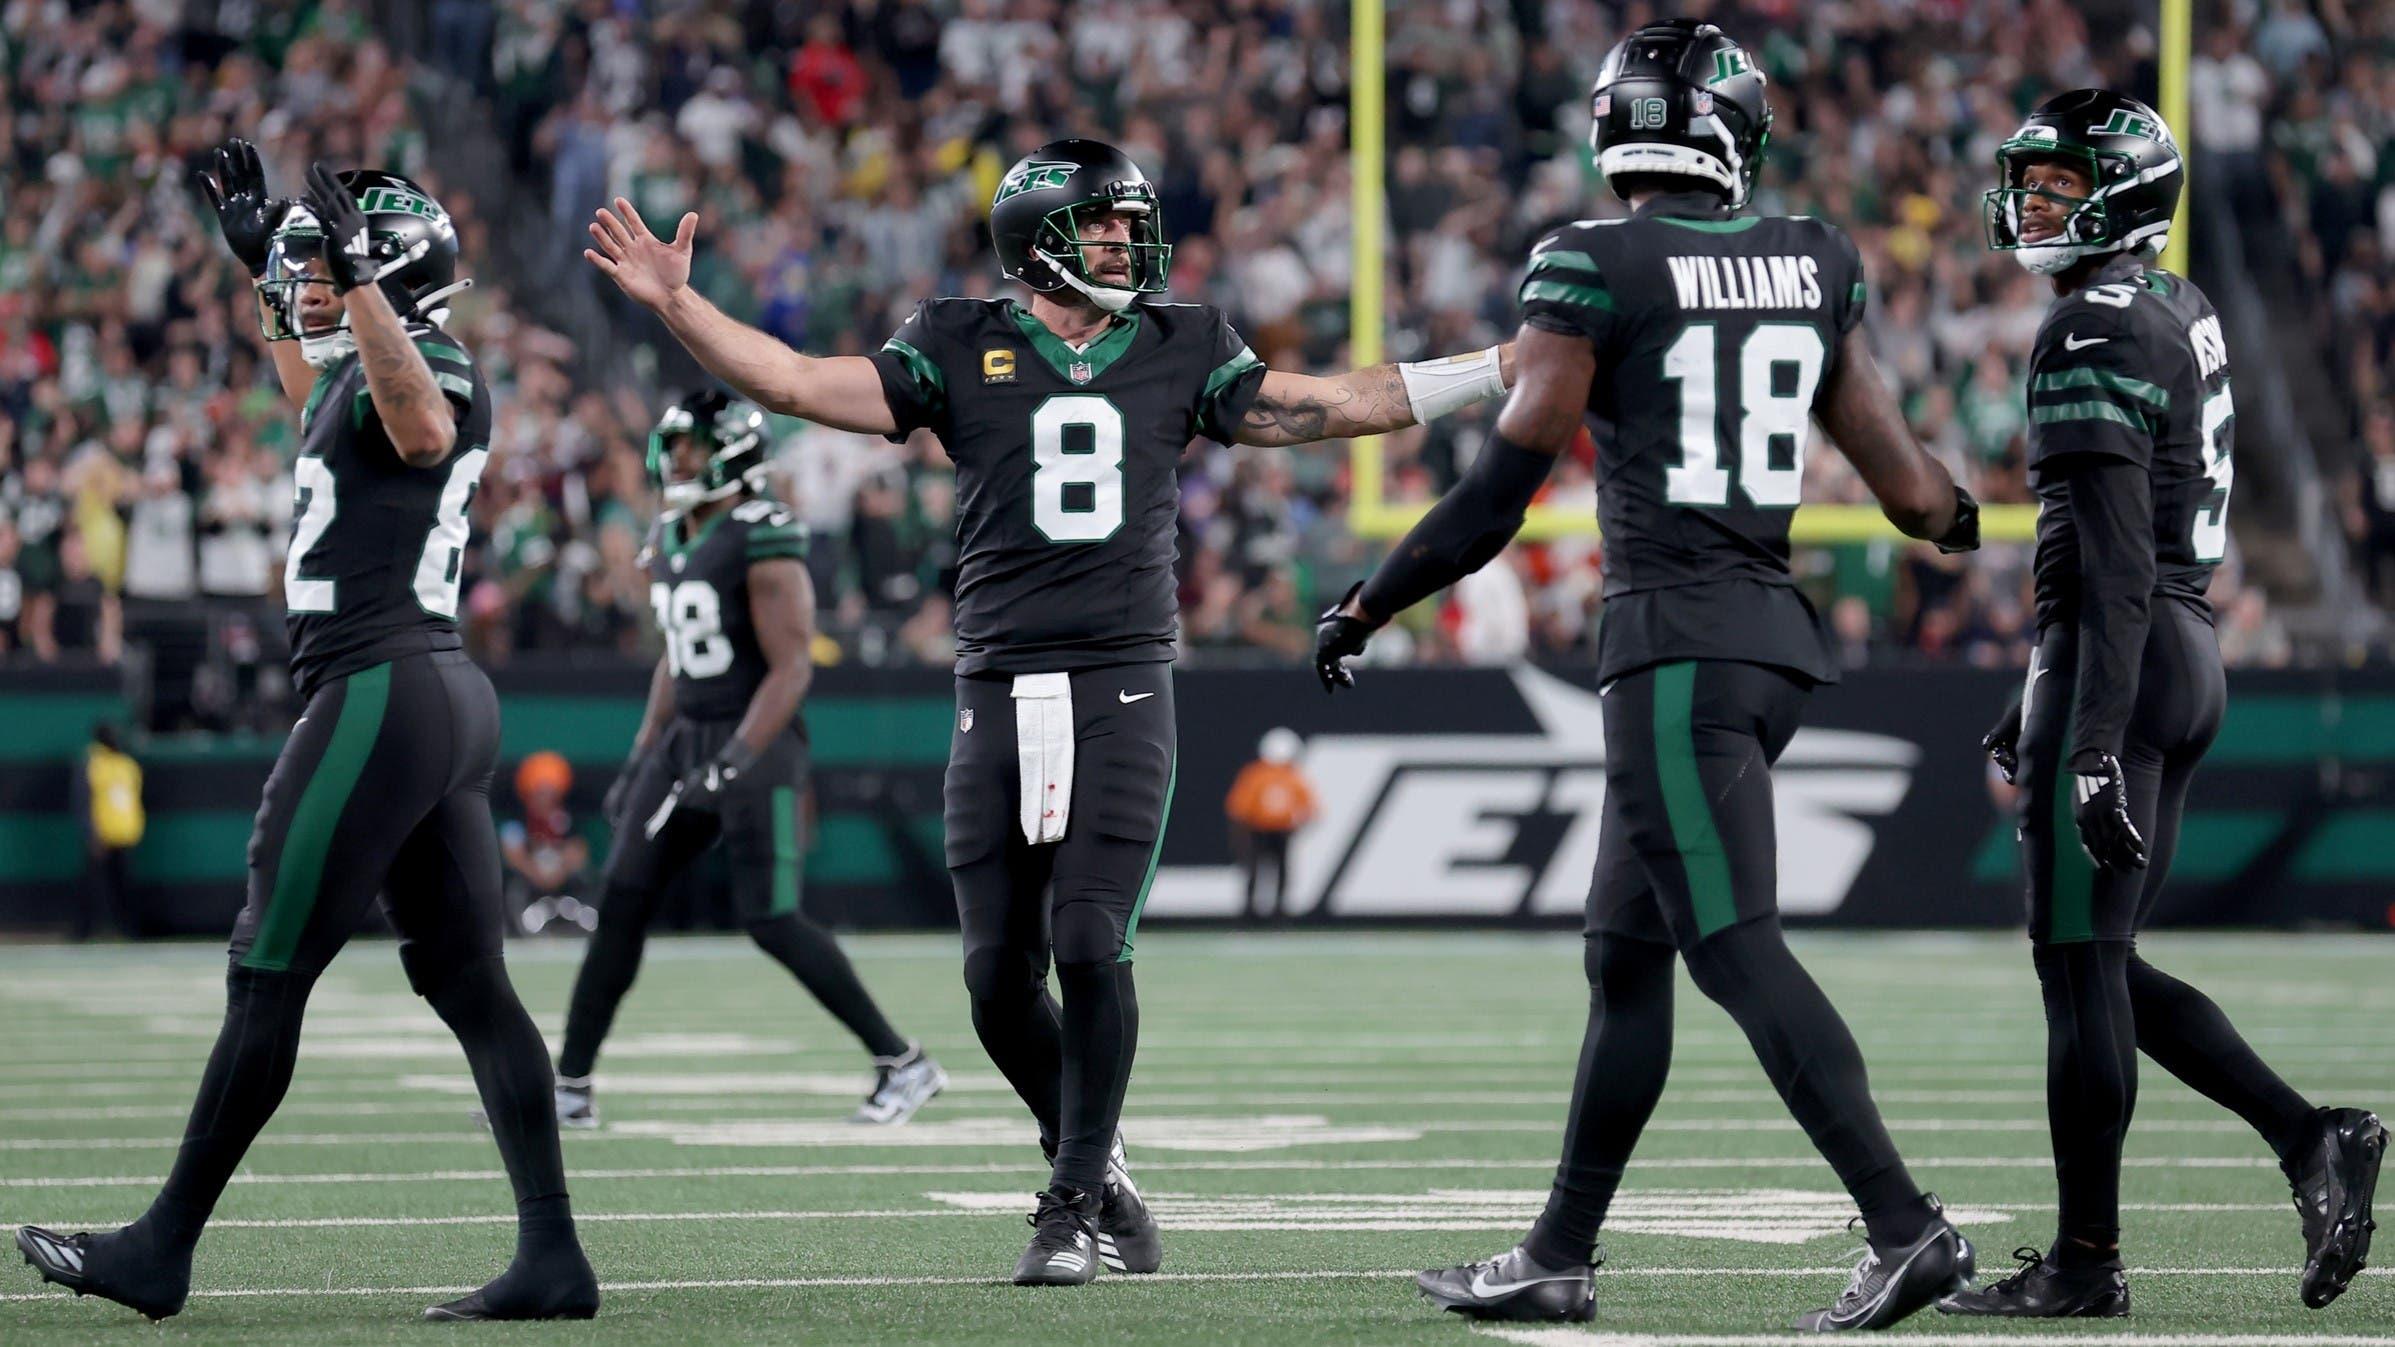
2104, 1003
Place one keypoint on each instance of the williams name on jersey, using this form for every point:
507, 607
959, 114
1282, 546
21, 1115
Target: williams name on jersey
1713, 333
1067, 469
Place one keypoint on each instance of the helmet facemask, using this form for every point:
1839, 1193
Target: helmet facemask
734, 466
1059, 244
293, 261
2087, 228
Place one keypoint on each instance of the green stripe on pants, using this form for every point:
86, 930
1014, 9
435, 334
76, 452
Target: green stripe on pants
785, 852
1172, 778
1702, 859
2070, 892
301, 870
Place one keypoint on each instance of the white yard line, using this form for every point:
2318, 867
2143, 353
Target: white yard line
1582, 1337
1143, 1166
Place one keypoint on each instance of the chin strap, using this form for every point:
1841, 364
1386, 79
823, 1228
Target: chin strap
1112, 299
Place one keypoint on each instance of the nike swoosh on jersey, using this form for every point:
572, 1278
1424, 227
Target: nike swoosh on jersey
1126, 698
2072, 343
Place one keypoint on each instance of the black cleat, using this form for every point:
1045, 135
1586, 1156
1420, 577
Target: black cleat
1514, 1286
116, 1266
2045, 1289
1891, 1284
1127, 1237
2334, 1179
558, 1285
1064, 1245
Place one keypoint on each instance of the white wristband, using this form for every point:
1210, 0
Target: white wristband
1437, 387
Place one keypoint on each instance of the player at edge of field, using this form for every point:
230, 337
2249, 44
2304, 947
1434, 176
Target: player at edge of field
384, 784
1066, 420
722, 751
1708, 339
2131, 425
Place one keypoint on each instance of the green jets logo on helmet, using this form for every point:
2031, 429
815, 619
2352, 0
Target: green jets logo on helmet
2123, 122
1034, 176
1729, 65
375, 199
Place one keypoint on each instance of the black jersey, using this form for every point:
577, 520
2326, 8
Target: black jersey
698, 586
377, 546
1713, 334
1067, 462
2132, 367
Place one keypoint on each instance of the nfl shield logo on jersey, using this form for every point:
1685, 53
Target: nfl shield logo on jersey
964, 722
1081, 373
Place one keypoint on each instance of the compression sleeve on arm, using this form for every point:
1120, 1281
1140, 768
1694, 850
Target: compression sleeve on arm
2112, 506
1469, 526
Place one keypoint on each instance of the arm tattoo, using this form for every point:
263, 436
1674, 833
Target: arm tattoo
401, 383
1364, 402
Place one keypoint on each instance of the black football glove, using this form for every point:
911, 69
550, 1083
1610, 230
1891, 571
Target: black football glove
2003, 744
235, 184
1963, 534
2101, 805
348, 248
1337, 637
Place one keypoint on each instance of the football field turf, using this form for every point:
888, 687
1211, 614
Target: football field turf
1313, 1117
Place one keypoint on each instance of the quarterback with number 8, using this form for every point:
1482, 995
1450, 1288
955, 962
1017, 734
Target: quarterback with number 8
1067, 419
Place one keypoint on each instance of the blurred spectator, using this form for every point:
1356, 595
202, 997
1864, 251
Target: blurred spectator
545, 858
109, 783
1270, 800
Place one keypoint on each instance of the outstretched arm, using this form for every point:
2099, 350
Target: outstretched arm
842, 391
1301, 408
1473, 522
1914, 490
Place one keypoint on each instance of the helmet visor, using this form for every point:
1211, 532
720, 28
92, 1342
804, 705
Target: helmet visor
294, 263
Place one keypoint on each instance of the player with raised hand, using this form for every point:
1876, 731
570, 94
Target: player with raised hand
1710, 340
1066, 419
2131, 424
721, 751
383, 787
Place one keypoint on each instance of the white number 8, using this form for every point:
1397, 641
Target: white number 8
1057, 466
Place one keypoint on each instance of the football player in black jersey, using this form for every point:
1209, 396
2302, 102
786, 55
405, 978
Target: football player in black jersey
1704, 341
1066, 419
2129, 453
384, 785
721, 750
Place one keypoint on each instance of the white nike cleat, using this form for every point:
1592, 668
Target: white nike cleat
901, 1085
1513, 1285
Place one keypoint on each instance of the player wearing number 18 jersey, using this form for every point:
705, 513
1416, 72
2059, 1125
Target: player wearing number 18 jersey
383, 788
722, 752
2131, 424
1066, 418
1702, 342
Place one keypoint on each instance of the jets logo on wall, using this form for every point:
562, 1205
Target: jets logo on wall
1503, 825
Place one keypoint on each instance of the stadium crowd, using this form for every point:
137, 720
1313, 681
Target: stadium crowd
841, 156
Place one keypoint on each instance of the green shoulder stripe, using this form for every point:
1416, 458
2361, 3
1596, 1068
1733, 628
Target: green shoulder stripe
2086, 411
1228, 370
1557, 291
2153, 395
1567, 259
441, 350
921, 368
456, 386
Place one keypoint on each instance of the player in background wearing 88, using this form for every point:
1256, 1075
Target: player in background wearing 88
721, 750
1066, 419
2131, 422
1709, 341
384, 785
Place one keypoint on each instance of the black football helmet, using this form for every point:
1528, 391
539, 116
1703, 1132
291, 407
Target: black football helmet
1680, 98
1035, 220
2129, 155
733, 433
399, 216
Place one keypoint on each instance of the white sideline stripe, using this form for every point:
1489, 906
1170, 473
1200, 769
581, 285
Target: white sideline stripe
1581, 1337
1145, 1166
947, 1212
1586, 1338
